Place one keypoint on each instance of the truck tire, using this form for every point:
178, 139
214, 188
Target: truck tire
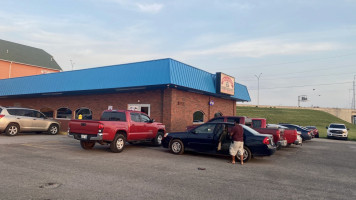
157, 141
118, 144
247, 155
12, 129
87, 144
53, 129
176, 146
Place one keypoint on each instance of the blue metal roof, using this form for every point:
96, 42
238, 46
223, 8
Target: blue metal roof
132, 75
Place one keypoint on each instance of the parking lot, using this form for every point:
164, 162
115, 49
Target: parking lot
35, 166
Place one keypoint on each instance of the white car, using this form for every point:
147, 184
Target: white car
337, 131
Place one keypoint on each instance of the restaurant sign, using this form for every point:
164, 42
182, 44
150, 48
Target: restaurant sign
225, 84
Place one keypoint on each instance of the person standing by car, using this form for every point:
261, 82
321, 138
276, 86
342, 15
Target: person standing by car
237, 145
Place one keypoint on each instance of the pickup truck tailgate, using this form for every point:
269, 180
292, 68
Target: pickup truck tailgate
84, 126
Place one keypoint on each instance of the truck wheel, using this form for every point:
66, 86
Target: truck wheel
118, 144
53, 129
87, 144
176, 146
247, 155
12, 129
157, 141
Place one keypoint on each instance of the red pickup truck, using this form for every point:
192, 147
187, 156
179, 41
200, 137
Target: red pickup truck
116, 127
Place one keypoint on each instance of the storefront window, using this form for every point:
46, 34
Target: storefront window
64, 113
85, 113
198, 117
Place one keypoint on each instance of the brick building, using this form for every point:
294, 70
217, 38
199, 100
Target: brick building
17, 60
169, 91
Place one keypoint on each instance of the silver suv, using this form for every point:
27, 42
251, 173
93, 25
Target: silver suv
15, 120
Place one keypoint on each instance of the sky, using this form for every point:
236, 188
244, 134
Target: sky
295, 47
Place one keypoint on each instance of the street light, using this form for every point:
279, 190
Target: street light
258, 88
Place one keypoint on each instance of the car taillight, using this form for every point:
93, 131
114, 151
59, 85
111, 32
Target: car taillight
266, 140
101, 127
1, 116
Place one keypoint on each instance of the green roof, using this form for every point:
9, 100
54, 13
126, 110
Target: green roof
19, 53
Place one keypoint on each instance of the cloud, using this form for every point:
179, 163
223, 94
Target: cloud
150, 8
265, 47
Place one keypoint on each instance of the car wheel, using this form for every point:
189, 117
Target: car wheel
87, 144
247, 155
157, 141
118, 144
176, 146
53, 129
317, 136
12, 130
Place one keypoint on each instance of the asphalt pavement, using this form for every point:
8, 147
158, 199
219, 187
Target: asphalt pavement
37, 166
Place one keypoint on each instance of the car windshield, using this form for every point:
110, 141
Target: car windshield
250, 130
337, 126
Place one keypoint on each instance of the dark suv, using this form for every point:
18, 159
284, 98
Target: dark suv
15, 120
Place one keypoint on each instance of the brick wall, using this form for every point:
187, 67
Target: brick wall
172, 107
184, 104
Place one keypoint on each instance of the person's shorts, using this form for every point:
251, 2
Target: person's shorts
237, 147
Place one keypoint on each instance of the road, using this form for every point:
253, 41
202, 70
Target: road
55, 167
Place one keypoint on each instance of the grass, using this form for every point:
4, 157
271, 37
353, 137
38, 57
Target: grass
301, 117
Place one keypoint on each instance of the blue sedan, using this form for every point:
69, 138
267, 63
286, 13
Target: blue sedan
213, 138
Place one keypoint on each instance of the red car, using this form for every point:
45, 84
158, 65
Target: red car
314, 129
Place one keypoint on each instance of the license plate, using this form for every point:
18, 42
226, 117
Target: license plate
83, 136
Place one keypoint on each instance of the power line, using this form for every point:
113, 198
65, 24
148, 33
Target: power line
297, 61
289, 73
305, 76
296, 86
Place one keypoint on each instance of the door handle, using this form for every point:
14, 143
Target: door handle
18, 118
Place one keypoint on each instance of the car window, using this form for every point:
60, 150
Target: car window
17, 112
28, 113
205, 128
135, 117
341, 126
38, 114
217, 120
145, 118
233, 120
257, 123
113, 116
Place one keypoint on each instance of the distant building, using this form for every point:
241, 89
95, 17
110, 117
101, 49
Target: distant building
17, 60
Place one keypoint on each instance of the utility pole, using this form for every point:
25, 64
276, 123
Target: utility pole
353, 94
71, 62
258, 88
